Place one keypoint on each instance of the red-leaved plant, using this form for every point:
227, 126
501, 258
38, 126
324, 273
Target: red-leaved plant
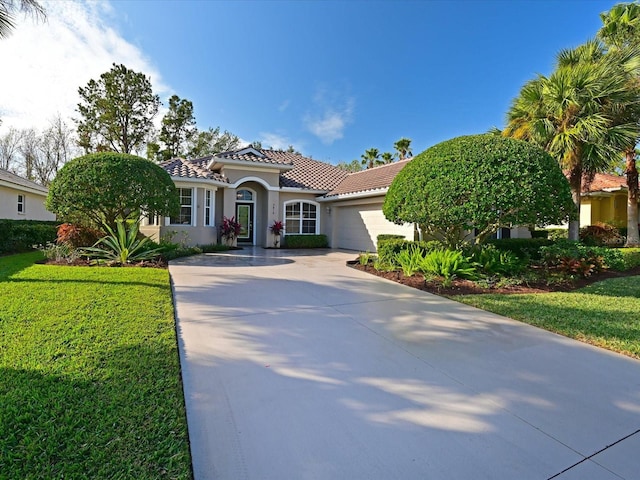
230, 228
277, 227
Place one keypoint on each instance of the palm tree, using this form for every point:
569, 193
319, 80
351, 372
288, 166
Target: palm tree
403, 148
8, 9
572, 114
371, 158
621, 31
387, 157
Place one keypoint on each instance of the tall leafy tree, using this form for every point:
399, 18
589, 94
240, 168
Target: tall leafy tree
621, 31
371, 158
352, 167
9, 8
403, 148
116, 111
210, 141
572, 114
178, 127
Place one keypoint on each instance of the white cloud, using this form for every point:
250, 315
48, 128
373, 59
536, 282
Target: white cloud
49, 61
284, 105
334, 116
277, 142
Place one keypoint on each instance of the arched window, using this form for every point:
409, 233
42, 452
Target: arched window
244, 195
301, 217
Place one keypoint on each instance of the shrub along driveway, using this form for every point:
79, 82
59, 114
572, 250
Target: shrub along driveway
295, 366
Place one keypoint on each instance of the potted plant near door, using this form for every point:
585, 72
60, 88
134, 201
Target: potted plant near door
276, 231
229, 230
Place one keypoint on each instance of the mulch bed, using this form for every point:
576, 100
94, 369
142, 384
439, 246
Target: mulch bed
467, 287
81, 262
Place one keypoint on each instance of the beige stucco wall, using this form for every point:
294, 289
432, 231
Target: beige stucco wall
235, 174
33, 206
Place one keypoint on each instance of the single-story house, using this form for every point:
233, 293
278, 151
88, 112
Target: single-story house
22, 199
604, 199
259, 187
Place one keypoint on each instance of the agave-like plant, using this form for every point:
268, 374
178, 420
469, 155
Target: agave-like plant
122, 246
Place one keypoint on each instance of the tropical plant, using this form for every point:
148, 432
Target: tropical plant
601, 234
106, 187
230, 228
60, 252
387, 157
364, 258
8, 8
410, 260
492, 261
277, 227
122, 246
621, 31
448, 264
403, 148
574, 113
484, 182
371, 158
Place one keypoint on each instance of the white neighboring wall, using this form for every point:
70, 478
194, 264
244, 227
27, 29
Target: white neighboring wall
20, 202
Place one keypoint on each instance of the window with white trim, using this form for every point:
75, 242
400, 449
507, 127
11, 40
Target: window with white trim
21, 204
186, 207
301, 218
208, 208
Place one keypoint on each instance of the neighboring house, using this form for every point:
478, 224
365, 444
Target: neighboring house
604, 199
258, 187
22, 199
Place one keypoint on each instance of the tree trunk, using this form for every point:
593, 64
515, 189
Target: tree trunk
575, 182
633, 237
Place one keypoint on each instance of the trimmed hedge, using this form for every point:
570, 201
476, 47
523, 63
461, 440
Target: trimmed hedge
306, 241
630, 257
523, 248
388, 236
20, 235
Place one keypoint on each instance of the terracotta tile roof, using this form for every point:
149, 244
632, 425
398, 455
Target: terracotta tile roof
197, 168
9, 177
604, 181
269, 157
372, 179
309, 174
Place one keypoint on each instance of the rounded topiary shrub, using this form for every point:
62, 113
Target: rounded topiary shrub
481, 182
103, 187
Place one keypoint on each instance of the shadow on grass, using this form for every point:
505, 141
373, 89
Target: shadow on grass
122, 417
12, 264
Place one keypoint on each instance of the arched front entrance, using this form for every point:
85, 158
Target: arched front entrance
246, 214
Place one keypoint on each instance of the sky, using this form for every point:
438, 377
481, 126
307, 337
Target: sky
331, 78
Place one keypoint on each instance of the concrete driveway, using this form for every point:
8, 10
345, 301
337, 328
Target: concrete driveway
298, 367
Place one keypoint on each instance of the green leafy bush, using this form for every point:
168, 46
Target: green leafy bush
306, 241
523, 248
630, 257
448, 264
556, 234
388, 236
492, 261
21, 235
576, 258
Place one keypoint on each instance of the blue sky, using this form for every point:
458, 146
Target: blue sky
332, 78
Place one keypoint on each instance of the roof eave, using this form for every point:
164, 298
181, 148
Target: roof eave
354, 195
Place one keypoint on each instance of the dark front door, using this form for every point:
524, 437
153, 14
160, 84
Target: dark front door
244, 216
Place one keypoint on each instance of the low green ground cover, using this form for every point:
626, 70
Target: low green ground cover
89, 373
603, 314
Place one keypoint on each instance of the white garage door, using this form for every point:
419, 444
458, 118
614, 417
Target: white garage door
359, 226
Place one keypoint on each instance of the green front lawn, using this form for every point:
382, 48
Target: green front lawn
89, 373
606, 314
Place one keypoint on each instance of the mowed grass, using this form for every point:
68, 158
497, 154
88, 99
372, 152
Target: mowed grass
606, 314
89, 374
